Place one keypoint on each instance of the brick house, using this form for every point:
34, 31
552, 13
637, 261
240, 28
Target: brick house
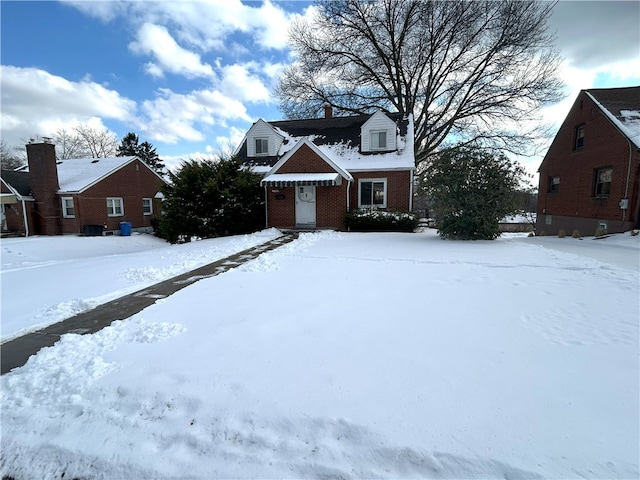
317, 169
590, 176
84, 195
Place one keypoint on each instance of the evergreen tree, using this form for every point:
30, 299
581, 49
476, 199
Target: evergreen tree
146, 152
209, 199
128, 146
471, 191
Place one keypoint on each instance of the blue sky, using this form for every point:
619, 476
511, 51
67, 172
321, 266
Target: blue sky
191, 77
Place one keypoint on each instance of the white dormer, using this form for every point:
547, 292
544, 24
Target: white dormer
262, 140
378, 134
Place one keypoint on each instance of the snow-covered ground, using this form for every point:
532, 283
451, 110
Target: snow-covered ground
339, 355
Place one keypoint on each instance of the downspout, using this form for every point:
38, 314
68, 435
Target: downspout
626, 187
411, 191
24, 216
348, 200
266, 209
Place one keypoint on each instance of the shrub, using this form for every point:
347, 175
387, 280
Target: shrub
561, 233
576, 234
365, 220
600, 232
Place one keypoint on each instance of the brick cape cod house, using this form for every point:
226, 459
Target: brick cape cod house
590, 177
75, 196
317, 169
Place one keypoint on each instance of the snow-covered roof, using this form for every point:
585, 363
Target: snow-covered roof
77, 174
338, 139
622, 107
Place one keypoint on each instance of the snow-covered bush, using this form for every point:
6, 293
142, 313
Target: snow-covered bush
367, 220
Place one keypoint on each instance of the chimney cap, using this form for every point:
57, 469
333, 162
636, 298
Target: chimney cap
46, 139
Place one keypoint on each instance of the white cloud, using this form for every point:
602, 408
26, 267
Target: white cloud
156, 41
35, 102
238, 82
173, 116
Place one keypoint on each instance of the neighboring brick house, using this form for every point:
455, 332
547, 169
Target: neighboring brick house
85, 195
590, 176
317, 169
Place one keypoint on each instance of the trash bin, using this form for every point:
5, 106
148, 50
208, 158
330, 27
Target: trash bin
92, 230
125, 229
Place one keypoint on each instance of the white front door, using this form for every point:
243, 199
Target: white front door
306, 206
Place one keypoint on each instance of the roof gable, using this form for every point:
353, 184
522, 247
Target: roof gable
305, 141
622, 108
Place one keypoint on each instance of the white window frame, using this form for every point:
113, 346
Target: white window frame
150, 201
112, 204
376, 134
260, 140
372, 181
65, 207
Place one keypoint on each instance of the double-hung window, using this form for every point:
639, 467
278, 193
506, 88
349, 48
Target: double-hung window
378, 140
115, 207
579, 138
147, 206
554, 184
372, 193
68, 208
262, 146
602, 182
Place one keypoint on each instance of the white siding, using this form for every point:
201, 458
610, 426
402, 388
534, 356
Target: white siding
262, 129
378, 121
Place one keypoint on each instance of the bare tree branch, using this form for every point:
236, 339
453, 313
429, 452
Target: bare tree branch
469, 72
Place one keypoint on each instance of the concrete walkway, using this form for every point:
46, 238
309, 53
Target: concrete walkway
16, 352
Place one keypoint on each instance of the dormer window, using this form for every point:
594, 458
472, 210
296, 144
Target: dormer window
262, 146
378, 140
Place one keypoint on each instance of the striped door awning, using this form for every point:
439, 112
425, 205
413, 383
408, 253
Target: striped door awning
302, 179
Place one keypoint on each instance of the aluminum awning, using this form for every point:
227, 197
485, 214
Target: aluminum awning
302, 179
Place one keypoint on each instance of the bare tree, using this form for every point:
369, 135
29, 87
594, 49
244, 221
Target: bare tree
10, 157
98, 142
69, 145
469, 72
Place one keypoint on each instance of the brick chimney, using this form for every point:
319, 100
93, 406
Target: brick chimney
328, 111
43, 179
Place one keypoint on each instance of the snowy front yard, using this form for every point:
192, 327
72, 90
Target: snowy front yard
339, 356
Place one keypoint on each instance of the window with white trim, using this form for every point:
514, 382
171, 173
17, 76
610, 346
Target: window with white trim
115, 207
602, 182
372, 193
378, 140
147, 206
68, 208
262, 146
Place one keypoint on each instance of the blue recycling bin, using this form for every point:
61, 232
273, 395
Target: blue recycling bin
125, 229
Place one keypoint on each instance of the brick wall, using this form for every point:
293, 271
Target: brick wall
575, 205
132, 183
43, 179
398, 188
331, 202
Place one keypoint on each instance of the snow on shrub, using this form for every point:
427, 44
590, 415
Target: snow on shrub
379, 220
